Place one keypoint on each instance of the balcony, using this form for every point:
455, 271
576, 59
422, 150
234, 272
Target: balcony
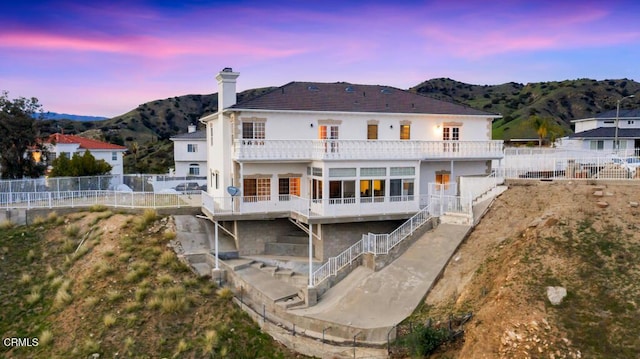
309, 150
316, 208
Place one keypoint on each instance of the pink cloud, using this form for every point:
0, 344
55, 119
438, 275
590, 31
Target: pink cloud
476, 35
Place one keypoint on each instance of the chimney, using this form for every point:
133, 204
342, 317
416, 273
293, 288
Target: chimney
226, 88
191, 128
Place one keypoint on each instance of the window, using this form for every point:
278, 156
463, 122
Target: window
609, 121
287, 187
114, 156
342, 172
597, 145
210, 133
442, 180
372, 190
373, 171
372, 132
316, 190
630, 122
405, 132
329, 133
192, 147
215, 182
194, 169
451, 134
342, 192
403, 171
252, 131
401, 189
256, 189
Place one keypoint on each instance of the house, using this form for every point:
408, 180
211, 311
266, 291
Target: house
346, 158
190, 153
600, 132
59, 143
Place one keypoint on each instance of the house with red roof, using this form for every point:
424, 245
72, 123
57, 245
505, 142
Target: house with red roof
59, 143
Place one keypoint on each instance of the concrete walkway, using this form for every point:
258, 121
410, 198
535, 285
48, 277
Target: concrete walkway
380, 300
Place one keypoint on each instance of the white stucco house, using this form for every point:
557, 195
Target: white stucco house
347, 158
190, 153
59, 143
599, 133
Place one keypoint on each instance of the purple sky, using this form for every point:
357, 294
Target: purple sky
105, 58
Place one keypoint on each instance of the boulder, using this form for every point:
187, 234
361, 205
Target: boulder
602, 204
633, 204
556, 294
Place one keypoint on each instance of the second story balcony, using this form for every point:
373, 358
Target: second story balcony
309, 150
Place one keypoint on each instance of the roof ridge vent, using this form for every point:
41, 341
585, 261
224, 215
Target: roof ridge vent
313, 88
385, 91
349, 89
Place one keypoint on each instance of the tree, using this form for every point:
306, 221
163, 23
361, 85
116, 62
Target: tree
541, 125
19, 138
79, 165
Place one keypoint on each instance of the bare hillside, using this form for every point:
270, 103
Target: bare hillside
541, 235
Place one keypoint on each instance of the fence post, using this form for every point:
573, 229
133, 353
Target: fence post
50, 206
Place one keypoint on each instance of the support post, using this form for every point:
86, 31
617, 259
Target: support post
216, 243
310, 254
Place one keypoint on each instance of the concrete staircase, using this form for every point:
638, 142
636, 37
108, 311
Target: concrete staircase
267, 283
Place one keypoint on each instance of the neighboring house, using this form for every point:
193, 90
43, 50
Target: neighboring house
599, 132
190, 153
59, 143
355, 158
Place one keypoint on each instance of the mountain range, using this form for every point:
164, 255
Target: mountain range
147, 128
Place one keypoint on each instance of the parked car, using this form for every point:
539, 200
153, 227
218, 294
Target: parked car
631, 164
187, 187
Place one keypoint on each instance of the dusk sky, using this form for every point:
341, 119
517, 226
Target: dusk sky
104, 58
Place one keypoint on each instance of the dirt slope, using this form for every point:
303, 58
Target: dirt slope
540, 235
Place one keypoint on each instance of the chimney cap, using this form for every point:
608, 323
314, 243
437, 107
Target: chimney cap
227, 69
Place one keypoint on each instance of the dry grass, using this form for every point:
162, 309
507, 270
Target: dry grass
45, 338
34, 296
210, 341
148, 216
62, 297
166, 258
109, 320
90, 302
72, 230
39, 220
113, 295
182, 347
7, 224
25, 278
225, 293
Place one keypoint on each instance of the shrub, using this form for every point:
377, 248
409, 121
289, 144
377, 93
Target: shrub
225, 293
72, 230
34, 296
25, 278
109, 320
39, 220
98, 208
210, 341
148, 216
45, 338
166, 258
7, 224
62, 296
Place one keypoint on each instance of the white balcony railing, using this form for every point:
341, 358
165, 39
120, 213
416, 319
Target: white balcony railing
333, 207
307, 150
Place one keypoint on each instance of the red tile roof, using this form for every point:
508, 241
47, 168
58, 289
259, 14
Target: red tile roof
83, 142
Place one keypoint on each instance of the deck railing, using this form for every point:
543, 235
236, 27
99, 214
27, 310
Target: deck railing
370, 243
62, 199
308, 150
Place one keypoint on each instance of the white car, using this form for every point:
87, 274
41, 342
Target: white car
631, 164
